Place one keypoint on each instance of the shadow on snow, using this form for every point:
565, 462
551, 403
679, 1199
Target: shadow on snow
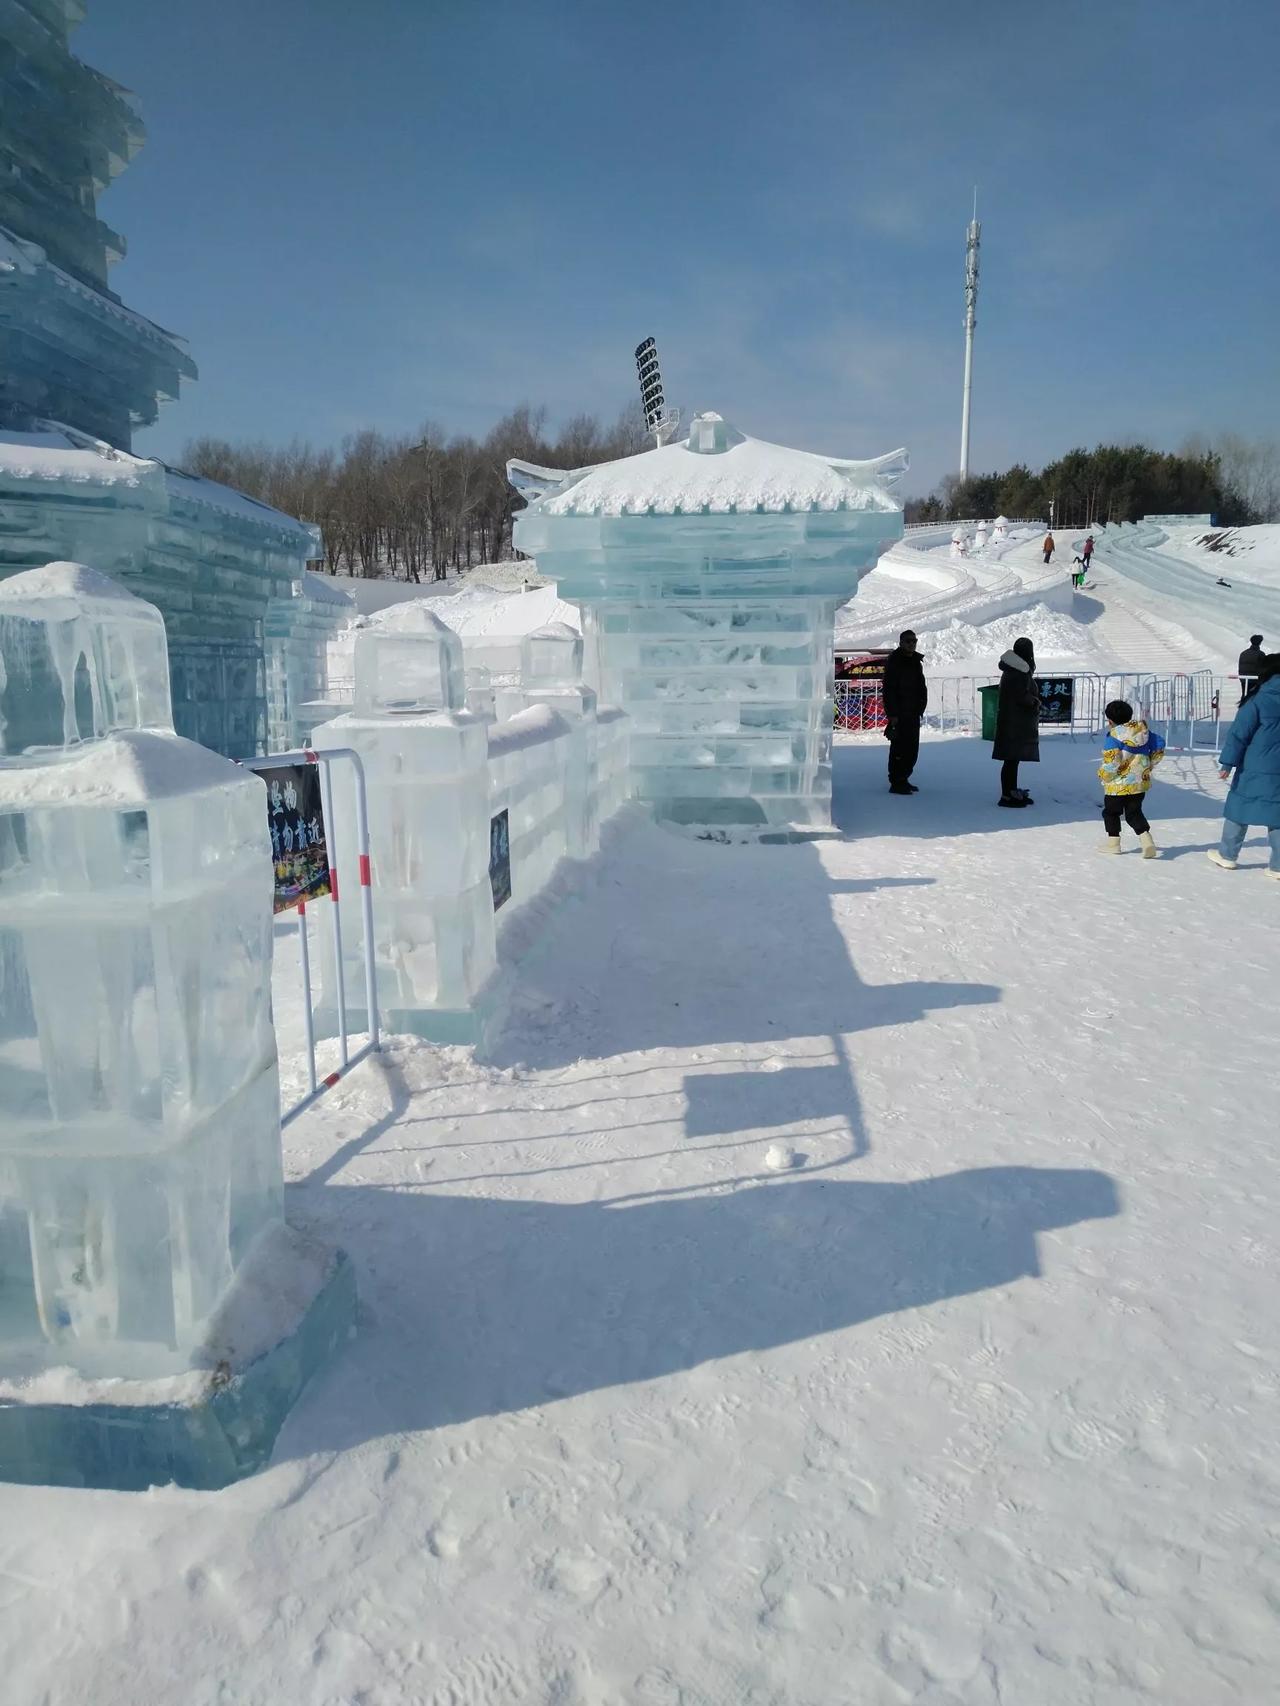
476, 1306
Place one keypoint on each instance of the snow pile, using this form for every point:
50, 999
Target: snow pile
126, 770
1053, 635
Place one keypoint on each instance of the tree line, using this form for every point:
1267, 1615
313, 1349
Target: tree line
1230, 478
417, 507
423, 506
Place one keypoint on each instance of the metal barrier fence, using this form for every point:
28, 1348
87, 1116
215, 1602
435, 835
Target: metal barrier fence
955, 704
1188, 709
346, 1058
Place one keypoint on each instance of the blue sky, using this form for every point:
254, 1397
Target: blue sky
382, 213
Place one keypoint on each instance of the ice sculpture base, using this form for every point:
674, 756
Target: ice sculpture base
465, 1025
291, 1306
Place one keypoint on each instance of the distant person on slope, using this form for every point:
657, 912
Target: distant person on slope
906, 698
1250, 666
1252, 750
1017, 721
1086, 558
1049, 546
1130, 754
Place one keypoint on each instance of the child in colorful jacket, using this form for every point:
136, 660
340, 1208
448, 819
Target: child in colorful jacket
1130, 755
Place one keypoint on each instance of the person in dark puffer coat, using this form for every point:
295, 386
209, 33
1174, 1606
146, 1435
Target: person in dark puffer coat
1017, 721
1252, 750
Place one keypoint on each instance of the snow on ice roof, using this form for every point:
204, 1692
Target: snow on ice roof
194, 488
59, 454
75, 582
716, 470
322, 589
127, 769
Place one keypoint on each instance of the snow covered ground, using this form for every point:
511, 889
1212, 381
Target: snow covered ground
972, 1404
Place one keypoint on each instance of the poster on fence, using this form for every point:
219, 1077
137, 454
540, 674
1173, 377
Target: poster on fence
860, 690
295, 818
1057, 699
500, 859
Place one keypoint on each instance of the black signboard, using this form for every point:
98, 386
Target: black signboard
295, 818
500, 859
1057, 698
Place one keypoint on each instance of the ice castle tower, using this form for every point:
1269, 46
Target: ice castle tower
80, 371
708, 573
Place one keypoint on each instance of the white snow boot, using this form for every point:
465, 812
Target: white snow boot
1215, 858
1149, 848
1110, 845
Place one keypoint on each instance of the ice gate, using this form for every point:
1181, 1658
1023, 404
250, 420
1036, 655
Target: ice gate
708, 573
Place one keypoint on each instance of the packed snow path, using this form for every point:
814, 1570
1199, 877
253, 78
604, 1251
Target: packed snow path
973, 1405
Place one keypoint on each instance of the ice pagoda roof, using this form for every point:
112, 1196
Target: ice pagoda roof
716, 470
18, 256
58, 454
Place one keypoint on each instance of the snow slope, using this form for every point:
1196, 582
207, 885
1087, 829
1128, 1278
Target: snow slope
1250, 553
975, 1405
1161, 586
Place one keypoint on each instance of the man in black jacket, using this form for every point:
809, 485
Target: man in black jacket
1250, 667
906, 698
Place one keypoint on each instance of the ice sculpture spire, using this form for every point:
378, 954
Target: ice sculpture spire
69, 349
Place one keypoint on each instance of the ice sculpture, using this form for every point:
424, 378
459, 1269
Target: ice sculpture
1000, 527
139, 1109
980, 537
79, 371
551, 674
708, 572
959, 542
299, 630
425, 759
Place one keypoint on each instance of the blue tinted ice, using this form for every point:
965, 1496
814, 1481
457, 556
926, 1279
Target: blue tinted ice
708, 573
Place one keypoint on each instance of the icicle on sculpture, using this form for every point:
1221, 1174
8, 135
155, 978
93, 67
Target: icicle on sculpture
139, 1107
425, 759
708, 572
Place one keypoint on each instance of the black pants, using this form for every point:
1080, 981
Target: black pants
904, 749
1047, 555
1009, 776
1128, 807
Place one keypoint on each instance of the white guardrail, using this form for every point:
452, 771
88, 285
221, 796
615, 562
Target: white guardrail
316, 1085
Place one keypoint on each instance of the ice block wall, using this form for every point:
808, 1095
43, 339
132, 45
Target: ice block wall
299, 632
425, 759
452, 786
139, 1108
708, 573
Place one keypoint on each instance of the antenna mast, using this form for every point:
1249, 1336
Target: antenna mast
970, 321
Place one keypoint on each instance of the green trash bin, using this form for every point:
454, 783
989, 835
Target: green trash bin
990, 705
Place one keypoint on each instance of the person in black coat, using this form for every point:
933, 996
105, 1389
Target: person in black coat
1017, 721
905, 696
1250, 667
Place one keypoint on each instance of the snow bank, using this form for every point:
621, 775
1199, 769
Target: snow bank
1053, 635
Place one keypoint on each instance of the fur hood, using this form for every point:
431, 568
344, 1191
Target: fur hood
1011, 660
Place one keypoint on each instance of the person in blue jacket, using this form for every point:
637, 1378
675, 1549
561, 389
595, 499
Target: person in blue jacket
1252, 750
